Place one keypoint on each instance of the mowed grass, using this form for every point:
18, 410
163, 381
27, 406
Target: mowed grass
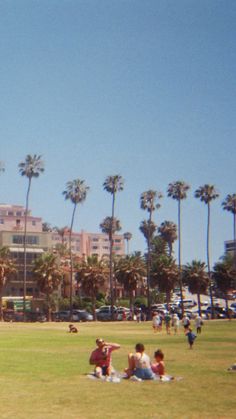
43, 373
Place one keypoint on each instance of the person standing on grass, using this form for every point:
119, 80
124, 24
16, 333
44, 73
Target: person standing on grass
198, 324
167, 320
185, 322
191, 337
175, 323
156, 322
101, 357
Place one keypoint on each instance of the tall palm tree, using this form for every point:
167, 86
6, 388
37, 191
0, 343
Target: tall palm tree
112, 185
149, 202
110, 226
195, 276
206, 194
7, 268
229, 204
92, 275
76, 192
31, 168
178, 191
130, 271
168, 231
127, 236
164, 274
49, 276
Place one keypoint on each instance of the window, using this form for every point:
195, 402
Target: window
18, 213
10, 213
94, 247
1, 221
33, 223
95, 239
117, 240
29, 239
105, 247
17, 222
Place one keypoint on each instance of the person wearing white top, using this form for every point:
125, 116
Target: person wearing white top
198, 324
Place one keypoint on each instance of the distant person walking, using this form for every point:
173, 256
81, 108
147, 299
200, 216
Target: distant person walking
198, 324
191, 337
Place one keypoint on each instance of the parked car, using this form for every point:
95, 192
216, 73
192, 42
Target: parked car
81, 316
220, 312
104, 313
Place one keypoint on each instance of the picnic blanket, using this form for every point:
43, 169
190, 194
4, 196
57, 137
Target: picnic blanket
117, 378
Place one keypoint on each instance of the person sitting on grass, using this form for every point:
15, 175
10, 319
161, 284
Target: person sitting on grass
101, 357
139, 365
72, 329
158, 367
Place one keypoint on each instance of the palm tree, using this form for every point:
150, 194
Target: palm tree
62, 232
168, 231
148, 229
130, 271
110, 226
127, 236
148, 202
112, 185
76, 192
224, 276
46, 227
195, 276
7, 268
92, 275
229, 204
206, 194
30, 168
178, 191
49, 276
164, 274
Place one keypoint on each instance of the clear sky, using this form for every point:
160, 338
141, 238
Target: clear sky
145, 89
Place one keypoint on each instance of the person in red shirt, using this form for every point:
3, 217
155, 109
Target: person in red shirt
101, 357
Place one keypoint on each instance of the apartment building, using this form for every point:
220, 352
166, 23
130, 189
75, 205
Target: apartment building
12, 219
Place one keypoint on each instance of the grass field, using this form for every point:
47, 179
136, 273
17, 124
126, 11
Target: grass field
43, 373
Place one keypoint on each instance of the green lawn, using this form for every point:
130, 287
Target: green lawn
43, 373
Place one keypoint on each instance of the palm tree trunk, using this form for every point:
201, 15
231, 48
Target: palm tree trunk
71, 263
131, 300
25, 234
49, 309
94, 307
179, 259
149, 266
111, 257
199, 303
168, 300
234, 215
208, 258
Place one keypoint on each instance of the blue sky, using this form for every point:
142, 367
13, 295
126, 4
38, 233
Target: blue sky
145, 89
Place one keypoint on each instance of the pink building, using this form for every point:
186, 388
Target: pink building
12, 218
87, 244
